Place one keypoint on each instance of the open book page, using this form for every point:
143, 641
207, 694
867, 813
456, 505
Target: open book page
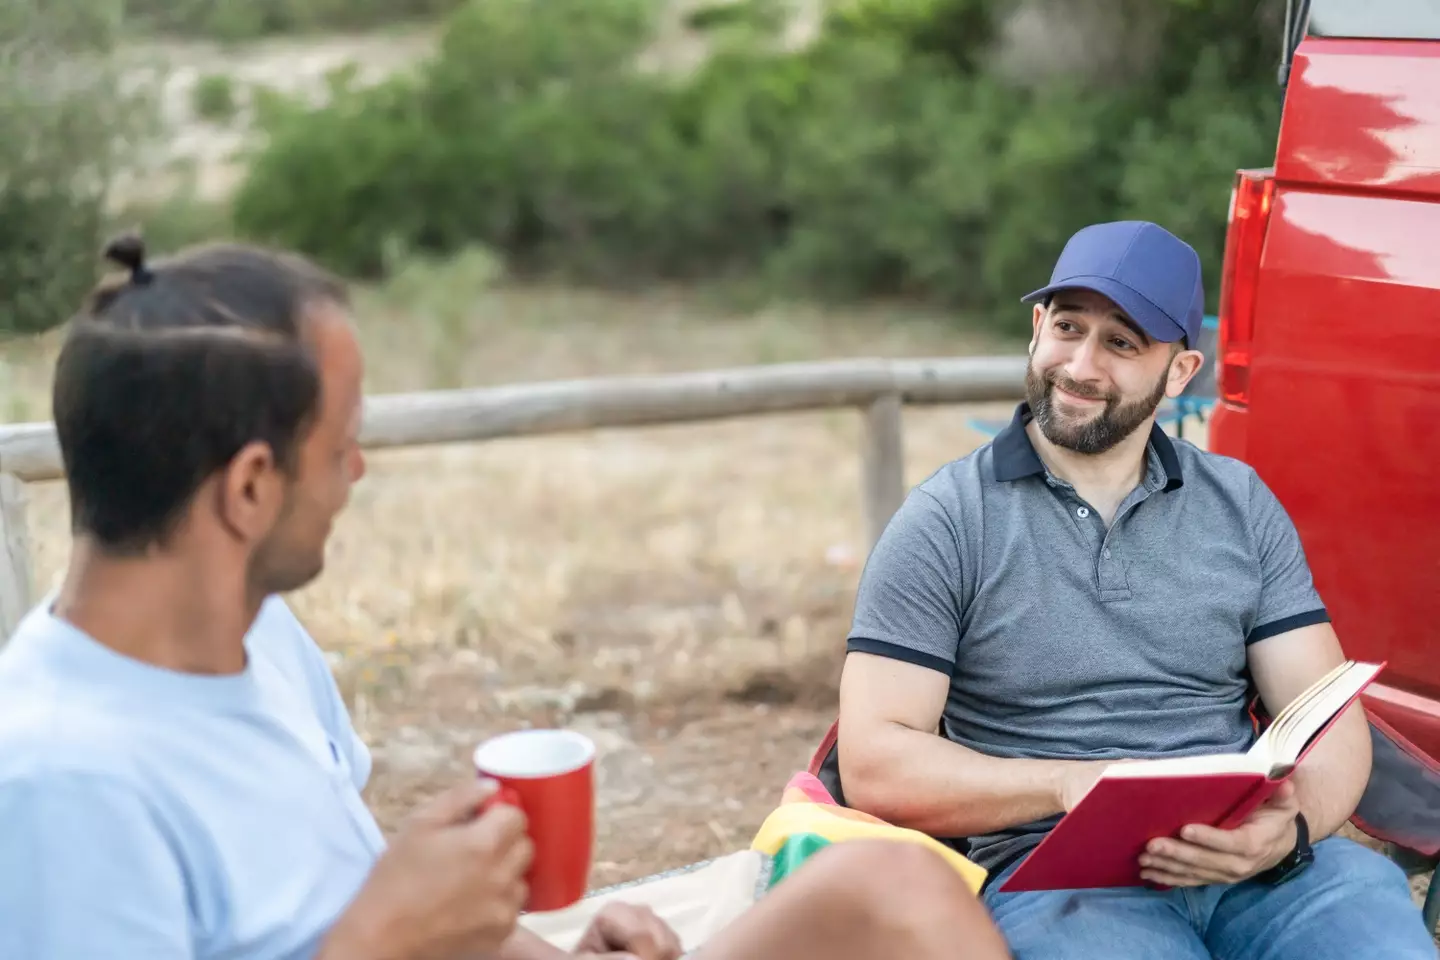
1296, 726
1279, 748
1188, 766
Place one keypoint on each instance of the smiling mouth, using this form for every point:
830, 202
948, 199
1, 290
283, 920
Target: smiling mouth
1076, 399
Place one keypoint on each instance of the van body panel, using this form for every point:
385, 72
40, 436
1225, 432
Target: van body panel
1364, 115
1343, 412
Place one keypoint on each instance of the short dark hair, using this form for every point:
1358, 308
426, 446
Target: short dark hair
168, 372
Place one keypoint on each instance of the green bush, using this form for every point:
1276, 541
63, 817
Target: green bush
213, 98
63, 128
1199, 140
885, 159
528, 132
959, 32
238, 20
180, 219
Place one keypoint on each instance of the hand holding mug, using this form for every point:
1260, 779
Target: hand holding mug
451, 883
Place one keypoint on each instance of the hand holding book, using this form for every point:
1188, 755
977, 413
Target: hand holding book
1203, 854
1244, 798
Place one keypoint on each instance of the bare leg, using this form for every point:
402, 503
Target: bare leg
861, 900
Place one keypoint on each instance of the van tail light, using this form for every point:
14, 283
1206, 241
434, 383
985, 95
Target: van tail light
1250, 202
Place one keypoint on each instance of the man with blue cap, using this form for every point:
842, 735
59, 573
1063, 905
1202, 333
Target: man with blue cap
1144, 284
1084, 590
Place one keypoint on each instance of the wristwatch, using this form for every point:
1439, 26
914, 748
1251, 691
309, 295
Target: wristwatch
1295, 861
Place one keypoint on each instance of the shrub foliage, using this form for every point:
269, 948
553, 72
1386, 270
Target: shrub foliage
63, 130
892, 156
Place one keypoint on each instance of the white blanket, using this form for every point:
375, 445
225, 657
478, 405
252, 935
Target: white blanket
697, 901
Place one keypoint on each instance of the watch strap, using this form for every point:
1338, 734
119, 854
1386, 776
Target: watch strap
1296, 860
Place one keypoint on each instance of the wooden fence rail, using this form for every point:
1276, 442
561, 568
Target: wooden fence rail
879, 388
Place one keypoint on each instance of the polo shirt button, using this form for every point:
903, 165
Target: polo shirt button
1107, 554
1083, 512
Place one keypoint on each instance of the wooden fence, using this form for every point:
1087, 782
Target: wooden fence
878, 388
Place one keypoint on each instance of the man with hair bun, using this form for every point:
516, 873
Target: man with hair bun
179, 777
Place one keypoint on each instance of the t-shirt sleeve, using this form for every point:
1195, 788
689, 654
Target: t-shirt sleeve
1288, 598
86, 871
908, 603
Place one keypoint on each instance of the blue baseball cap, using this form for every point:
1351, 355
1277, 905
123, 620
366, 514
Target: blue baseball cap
1151, 274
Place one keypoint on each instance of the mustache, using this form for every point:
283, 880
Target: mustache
1056, 379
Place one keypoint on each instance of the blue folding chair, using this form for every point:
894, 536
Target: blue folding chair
1199, 395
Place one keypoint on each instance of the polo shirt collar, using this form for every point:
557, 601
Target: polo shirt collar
1014, 456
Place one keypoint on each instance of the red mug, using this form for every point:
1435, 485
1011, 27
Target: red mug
549, 775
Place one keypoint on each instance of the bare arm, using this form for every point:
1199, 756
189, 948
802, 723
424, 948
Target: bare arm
896, 767
1329, 783
1283, 662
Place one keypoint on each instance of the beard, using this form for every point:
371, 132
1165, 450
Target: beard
290, 557
1116, 420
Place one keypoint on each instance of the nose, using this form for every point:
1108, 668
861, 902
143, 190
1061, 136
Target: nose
357, 465
1083, 365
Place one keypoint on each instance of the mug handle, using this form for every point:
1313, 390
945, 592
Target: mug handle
504, 795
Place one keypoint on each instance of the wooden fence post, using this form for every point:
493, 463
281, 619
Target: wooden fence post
884, 463
15, 581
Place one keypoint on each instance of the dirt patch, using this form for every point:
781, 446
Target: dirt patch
678, 780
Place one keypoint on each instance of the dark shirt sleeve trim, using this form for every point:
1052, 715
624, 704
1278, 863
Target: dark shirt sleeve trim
1285, 625
896, 652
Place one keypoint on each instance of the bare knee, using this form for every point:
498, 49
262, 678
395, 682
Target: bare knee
907, 895
885, 869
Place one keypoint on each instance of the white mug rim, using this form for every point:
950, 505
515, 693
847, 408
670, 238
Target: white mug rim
581, 750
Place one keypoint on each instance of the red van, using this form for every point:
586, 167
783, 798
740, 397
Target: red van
1327, 368
1328, 361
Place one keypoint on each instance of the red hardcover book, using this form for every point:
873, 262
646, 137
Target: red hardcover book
1099, 842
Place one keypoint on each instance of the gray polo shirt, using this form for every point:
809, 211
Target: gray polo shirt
1065, 640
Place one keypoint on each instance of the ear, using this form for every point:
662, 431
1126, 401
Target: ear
252, 492
1183, 367
1037, 320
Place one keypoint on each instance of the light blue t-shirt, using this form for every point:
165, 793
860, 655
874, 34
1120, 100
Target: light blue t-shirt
146, 813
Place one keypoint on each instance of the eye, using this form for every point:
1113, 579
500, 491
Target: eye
1120, 343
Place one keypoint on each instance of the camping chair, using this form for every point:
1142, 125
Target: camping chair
1400, 806
1199, 394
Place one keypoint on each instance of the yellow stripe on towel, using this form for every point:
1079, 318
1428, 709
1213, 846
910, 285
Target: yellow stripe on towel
838, 824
